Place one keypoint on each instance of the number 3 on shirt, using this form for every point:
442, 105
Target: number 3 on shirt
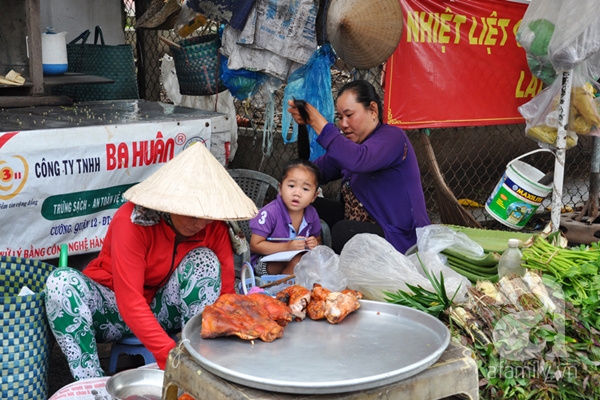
263, 218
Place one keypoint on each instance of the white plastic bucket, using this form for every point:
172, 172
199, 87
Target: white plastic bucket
518, 194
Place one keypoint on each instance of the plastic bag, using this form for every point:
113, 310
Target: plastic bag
320, 265
541, 112
231, 12
188, 21
541, 117
559, 35
577, 34
435, 264
584, 110
243, 83
534, 35
312, 83
435, 238
373, 266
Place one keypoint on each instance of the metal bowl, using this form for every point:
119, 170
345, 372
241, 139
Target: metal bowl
143, 382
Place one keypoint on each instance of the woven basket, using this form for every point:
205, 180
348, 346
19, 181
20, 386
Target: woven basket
197, 65
99, 59
25, 339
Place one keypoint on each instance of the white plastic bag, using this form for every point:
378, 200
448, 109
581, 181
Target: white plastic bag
541, 112
541, 117
320, 265
563, 32
373, 266
435, 238
435, 264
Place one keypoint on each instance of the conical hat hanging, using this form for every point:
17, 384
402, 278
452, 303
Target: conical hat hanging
193, 184
364, 33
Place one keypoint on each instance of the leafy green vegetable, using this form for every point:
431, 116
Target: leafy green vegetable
433, 303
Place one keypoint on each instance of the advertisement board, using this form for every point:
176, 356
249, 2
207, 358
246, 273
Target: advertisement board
64, 184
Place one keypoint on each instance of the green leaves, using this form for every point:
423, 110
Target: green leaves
433, 303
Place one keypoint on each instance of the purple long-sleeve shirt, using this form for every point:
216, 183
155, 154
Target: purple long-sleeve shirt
388, 186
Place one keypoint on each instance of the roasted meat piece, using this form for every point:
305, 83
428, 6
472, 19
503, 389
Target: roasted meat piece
334, 306
297, 298
278, 312
354, 293
338, 305
316, 306
243, 316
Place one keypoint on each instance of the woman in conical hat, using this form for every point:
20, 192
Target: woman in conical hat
166, 255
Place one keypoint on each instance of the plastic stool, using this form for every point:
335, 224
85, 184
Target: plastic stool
132, 346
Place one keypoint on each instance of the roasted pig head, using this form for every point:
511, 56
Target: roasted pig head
244, 316
278, 311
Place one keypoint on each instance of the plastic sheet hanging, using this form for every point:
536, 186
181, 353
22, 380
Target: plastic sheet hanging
559, 35
541, 112
243, 83
188, 21
233, 12
311, 83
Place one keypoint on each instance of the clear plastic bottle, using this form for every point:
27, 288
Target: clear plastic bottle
510, 262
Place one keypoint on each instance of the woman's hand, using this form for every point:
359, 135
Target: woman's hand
315, 119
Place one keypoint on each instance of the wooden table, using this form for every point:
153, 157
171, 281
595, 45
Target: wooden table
68, 78
454, 373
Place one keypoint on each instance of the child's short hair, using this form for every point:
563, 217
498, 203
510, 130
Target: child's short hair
301, 163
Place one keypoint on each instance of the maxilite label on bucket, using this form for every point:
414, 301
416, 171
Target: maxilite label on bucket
512, 204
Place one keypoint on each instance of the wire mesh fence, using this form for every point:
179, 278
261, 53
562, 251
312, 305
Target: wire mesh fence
471, 159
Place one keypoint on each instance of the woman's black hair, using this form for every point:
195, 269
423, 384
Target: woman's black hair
365, 94
298, 162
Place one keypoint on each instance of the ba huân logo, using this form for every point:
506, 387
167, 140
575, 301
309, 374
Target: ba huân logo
13, 176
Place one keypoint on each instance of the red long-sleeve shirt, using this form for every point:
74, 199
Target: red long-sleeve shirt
135, 261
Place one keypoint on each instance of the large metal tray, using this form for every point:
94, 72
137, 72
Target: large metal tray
378, 344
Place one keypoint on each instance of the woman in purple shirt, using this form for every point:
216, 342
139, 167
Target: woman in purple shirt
381, 183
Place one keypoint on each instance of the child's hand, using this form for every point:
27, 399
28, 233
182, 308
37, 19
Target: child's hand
297, 244
311, 242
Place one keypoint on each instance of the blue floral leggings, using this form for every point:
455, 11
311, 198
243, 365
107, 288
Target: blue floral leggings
82, 312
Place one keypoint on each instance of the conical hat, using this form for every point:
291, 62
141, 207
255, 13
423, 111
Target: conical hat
193, 184
364, 33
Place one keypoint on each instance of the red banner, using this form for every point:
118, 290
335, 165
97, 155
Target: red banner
458, 64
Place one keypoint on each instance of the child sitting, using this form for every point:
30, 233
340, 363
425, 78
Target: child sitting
289, 222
